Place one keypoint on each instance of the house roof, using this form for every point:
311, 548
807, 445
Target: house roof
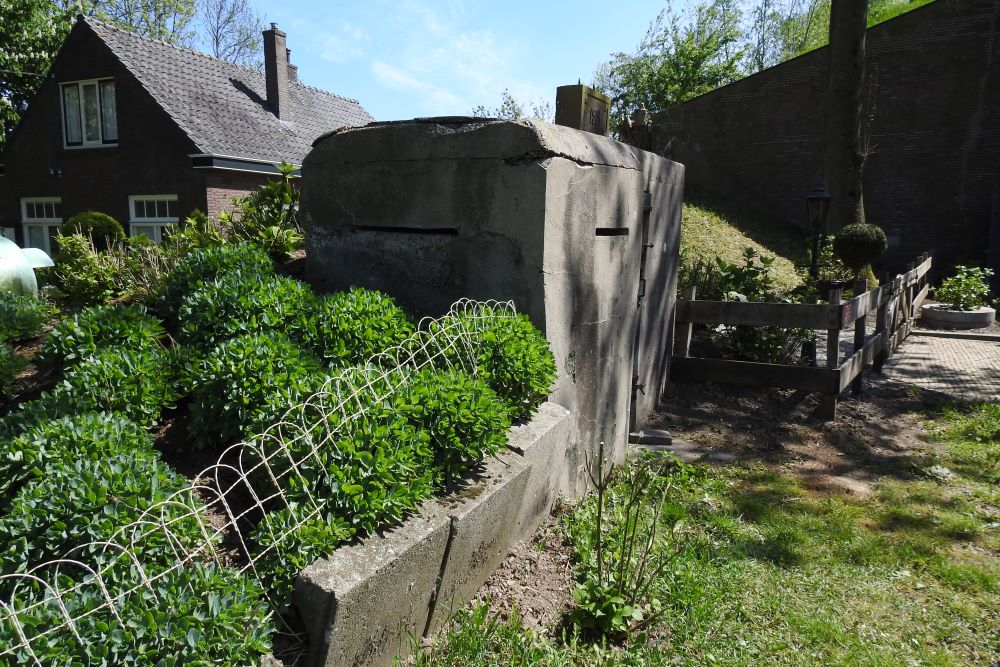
223, 107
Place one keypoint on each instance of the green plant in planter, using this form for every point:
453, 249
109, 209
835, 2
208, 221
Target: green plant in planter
968, 289
23, 316
118, 326
104, 230
859, 245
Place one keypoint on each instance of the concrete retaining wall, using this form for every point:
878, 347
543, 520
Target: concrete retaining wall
365, 603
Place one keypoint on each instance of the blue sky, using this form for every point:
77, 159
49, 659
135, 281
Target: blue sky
409, 58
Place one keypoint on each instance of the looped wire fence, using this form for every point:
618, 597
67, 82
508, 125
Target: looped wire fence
246, 484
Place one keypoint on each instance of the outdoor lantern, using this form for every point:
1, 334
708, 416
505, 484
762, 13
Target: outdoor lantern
818, 206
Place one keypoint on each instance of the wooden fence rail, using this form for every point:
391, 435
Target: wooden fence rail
896, 305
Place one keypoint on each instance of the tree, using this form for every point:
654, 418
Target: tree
676, 61
512, 109
232, 31
31, 33
844, 161
168, 20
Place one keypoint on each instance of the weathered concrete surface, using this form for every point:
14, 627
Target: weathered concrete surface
434, 210
362, 604
483, 519
542, 444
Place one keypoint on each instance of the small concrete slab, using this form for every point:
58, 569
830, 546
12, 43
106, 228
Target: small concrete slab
483, 517
363, 603
542, 444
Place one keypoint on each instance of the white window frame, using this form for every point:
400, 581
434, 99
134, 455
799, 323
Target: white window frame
45, 224
101, 142
151, 226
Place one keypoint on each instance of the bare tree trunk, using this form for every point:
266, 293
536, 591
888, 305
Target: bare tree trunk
844, 157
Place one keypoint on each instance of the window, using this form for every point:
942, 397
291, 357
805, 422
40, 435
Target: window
152, 215
41, 218
90, 117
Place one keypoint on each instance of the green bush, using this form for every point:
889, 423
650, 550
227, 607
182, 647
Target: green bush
193, 233
79, 501
233, 383
23, 316
268, 216
348, 328
101, 227
859, 245
196, 615
203, 265
236, 305
92, 436
510, 354
11, 364
465, 420
84, 275
117, 326
968, 289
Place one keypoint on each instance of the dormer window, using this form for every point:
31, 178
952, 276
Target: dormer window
89, 114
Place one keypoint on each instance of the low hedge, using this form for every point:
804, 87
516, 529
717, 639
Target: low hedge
115, 326
23, 316
349, 328
101, 227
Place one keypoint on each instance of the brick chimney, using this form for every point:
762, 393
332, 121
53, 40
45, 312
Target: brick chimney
276, 72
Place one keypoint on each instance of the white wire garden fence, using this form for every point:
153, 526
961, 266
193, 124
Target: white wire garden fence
239, 492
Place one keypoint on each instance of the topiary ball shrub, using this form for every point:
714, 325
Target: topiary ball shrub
349, 328
11, 365
204, 265
236, 305
118, 326
101, 227
509, 353
859, 245
23, 316
464, 419
238, 378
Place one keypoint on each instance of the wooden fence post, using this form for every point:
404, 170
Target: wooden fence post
880, 319
682, 346
828, 402
860, 287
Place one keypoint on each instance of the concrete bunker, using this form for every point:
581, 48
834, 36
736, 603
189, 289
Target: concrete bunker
579, 230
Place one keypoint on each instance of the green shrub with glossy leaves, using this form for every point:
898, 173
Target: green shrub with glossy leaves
235, 381
349, 328
11, 364
23, 316
203, 265
195, 615
968, 289
100, 227
235, 305
113, 326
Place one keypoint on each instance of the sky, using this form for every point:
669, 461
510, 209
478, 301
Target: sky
409, 58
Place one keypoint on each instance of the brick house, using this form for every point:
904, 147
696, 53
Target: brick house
147, 132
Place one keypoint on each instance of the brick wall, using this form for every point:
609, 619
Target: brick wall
221, 187
935, 163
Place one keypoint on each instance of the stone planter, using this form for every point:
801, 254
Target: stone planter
938, 315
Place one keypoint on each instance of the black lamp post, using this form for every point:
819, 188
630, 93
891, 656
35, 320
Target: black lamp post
818, 206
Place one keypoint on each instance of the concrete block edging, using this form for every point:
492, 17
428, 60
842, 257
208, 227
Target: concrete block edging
364, 604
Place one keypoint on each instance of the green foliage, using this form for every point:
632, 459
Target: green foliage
621, 546
23, 316
349, 328
91, 436
268, 216
968, 289
165, 20
101, 228
114, 326
139, 267
234, 305
11, 364
83, 274
195, 615
465, 419
511, 109
203, 265
234, 382
858, 245
751, 281
287, 542
193, 233
510, 354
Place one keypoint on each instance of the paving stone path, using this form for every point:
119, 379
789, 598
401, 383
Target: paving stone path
967, 369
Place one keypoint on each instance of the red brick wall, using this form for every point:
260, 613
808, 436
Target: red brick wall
222, 186
935, 166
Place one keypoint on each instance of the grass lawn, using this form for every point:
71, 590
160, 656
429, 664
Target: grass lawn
770, 572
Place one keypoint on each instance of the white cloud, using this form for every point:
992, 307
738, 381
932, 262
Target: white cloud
346, 44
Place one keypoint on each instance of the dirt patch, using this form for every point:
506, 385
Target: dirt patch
536, 579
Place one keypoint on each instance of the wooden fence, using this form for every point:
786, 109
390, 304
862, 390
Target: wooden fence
896, 304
